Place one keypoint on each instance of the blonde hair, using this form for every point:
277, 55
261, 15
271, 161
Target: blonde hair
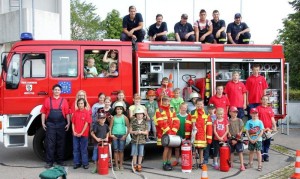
235, 72
88, 107
220, 111
183, 104
177, 90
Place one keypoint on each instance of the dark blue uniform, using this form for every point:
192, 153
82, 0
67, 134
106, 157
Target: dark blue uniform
234, 29
216, 27
182, 30
154, 30
130, 24
209, 38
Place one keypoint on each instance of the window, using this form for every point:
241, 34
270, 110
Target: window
64, 63
13, 73
34, 66
101, 63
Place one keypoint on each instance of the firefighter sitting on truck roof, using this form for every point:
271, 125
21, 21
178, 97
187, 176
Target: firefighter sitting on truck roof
167, 123
90, 70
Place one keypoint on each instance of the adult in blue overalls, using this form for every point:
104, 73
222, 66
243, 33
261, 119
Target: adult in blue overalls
55, 121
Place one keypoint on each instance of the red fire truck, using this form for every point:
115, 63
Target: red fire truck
32, 67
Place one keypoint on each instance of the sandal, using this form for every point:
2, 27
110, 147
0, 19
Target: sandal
259, 168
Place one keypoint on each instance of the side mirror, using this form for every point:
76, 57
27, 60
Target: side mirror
4, 64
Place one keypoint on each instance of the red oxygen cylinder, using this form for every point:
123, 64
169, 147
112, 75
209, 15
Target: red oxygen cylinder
103, 159
186, 157
224, 158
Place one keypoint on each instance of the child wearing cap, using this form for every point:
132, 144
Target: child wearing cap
118, 132
151, 106
266, 115
177, 100
203, 125
167, 123
81, 120
220, 134
139, 130
254, 130
136, 102
100, 133
236, 126
211, 117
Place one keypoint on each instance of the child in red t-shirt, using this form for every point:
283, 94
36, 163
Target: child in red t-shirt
220, 134
163, 90
80, 126
266, 115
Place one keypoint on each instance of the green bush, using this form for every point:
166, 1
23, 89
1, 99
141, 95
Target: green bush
295, 95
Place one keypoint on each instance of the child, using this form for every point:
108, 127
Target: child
118, 133
177, 100
182, 116
80, 127
220, 100
79, 94
121, 98
236, 126
266, 115
254, 130
151, 107
90, 70
107, 110
138, 129
163, 90
192, 103
112, 72
167, 123
256, 86
137, 102
96, 106
110, 56
99, 133
220, 134
211, 117
200, 121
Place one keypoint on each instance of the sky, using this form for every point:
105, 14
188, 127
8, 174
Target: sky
264, 17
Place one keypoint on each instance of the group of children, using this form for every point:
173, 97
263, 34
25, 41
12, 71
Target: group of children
169, 114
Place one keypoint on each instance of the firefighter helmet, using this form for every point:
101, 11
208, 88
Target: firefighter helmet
119, 104
194, 95
139, 110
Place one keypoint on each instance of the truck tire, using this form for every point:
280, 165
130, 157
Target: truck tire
38, 144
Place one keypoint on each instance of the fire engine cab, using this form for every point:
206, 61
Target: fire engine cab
32, 67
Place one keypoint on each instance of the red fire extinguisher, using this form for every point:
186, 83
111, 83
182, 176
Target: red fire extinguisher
186, 157
224, 158
103, 159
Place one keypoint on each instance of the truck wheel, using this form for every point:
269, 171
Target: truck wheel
38, 144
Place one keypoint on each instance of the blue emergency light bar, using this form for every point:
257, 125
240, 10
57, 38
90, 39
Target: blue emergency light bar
26, 36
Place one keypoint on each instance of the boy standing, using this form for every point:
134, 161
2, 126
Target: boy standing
167, 123
220, 100
211, 117
151, 107
177, 100
236, 126
256, 86
100, 133
237, 94
254, 131
266, 115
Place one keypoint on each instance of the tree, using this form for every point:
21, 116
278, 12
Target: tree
85, 23
289, 37
112, 25
171, 36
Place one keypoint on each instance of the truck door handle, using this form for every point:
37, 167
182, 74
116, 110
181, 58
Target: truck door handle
42, 93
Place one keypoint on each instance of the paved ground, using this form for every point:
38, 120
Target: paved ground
21, 163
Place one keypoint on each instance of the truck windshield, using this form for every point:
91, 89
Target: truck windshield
13, 73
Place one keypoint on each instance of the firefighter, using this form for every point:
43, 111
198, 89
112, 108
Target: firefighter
55, 121
167, 123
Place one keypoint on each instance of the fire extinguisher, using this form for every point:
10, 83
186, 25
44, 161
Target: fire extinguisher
188, 79
224, 158
186, 157
103, 159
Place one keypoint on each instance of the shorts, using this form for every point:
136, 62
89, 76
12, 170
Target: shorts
119, 144
257, 146
238, 147
137, 150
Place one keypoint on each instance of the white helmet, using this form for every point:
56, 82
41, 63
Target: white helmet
194, 95
119, 104
139, 110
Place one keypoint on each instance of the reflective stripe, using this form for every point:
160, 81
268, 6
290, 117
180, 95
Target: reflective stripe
187, 133
165, 130
158, 142
209, 123
188, 122
175, 119
246, 40
174, 129
222, 40
209, 137
159, 119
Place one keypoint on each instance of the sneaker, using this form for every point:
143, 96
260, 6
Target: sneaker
94, 170
165, 167
242, 168
266, 159
116, 168
174, 163
169, 167
216, 167
139, 168
48, 165
76, 166
147, 140
121, 168
86, 166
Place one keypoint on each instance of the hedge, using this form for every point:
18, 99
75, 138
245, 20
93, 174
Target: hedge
294, 95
